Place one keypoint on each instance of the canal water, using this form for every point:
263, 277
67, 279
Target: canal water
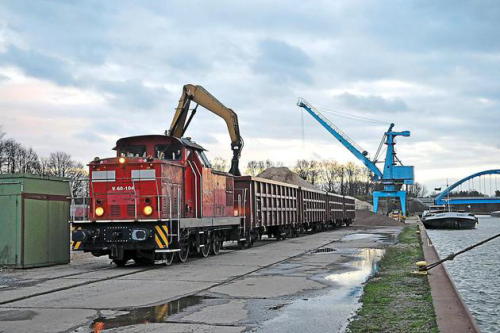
476, 273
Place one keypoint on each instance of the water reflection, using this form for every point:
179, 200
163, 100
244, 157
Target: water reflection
366, 264
329, 312
378, 237
144, 315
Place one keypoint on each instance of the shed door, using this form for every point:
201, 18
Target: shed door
58, 236
36, 232
9, 226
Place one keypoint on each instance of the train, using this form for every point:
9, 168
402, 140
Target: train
159, 199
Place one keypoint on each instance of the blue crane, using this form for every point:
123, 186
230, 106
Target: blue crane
393, 175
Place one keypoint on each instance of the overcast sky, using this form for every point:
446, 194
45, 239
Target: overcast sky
77, 75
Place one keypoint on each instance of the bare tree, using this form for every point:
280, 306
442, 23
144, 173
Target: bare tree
254, 168
417, 190
60, 164
308, 170
11, 150
27, 161
15, 158
346, 179
330, 175
219, 164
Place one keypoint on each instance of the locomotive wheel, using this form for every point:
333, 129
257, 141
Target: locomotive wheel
216, 245
183, 254
205, 249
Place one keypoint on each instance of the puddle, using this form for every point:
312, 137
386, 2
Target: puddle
331, 311
151, 314
384, 238
364, 267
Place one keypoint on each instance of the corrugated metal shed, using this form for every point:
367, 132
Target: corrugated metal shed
34, 215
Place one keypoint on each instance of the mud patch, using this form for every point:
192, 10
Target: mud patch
17, 315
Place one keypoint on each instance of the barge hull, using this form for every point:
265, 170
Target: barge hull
450, 223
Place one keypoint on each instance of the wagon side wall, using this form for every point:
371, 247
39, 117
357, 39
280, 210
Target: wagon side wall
270, 203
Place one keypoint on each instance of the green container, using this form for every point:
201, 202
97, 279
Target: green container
34, 215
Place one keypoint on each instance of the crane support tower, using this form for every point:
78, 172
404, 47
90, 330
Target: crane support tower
200, 96
392, 177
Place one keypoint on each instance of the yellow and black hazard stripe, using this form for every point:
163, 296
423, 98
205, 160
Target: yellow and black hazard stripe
75, 245
161, 236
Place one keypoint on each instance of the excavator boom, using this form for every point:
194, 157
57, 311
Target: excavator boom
200, 96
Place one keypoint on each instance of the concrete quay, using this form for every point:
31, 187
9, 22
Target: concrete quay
256, 289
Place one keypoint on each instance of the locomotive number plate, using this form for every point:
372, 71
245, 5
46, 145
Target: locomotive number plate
122, 188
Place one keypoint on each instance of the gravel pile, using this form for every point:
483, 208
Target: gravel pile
366, 217
285, 175
362, 205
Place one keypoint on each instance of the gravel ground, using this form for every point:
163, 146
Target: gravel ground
366, 217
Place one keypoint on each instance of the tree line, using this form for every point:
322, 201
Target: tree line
17, 158
328, 175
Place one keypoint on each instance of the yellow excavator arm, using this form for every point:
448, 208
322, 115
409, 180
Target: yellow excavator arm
200, 96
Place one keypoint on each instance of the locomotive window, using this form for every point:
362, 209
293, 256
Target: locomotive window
172, 152
103, 176
143, 174
133, 151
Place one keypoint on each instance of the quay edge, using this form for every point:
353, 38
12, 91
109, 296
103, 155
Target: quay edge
452, 314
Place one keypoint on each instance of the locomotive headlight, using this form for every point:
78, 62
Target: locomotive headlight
235, 212
147, 210
121, 160
99, 211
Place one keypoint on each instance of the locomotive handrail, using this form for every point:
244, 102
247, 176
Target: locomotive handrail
135, 199
87, 200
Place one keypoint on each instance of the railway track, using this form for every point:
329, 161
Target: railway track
136, 269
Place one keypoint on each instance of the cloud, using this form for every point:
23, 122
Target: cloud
38, 65
132, 94
372, 103
94, 71
281, 61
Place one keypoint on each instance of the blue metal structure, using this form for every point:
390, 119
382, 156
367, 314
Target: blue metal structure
442, 198
393, 176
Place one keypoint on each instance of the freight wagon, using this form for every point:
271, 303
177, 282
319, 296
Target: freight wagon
283, 210
160, 199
